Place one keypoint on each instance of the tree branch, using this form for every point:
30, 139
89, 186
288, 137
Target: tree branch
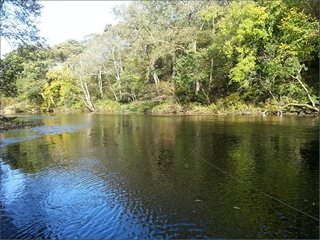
304, 87
313, 108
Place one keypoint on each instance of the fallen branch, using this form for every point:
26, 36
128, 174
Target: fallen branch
306, 90
304, 108
312, 108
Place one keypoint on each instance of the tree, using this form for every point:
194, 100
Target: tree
68, 49
190, 76
258, 41
81, 69
11, 68
193, 51
61, 89
161, 32
292, 46
105, 54
33, 76
22, 70
18, 21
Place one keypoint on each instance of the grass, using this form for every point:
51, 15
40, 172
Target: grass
172, 107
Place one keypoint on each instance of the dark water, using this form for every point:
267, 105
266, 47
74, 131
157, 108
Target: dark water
99, 176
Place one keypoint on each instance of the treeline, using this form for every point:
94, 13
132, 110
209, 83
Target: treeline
215, 53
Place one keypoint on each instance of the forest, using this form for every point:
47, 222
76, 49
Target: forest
177, 57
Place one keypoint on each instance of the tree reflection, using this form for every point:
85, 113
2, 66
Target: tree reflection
207, 171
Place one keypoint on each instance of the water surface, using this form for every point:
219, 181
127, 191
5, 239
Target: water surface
104, 176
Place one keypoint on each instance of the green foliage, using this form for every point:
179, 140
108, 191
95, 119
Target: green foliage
33, 76
186, 75
167, 107
259, 41
23, 73
128, 86
60, 90
107, 105
11, 68
189, 77
69, 49
224, 54
19, 121
243, 28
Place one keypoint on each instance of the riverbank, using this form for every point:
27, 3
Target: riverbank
172, 107
15, 123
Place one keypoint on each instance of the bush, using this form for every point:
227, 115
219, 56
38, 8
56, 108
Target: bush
107, 105
167, 107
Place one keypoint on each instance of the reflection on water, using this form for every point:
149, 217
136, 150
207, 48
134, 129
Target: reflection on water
136, 176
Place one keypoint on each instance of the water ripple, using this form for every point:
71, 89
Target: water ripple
12, 140
57, 129
45, 130
110, 184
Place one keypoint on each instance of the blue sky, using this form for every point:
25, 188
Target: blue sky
64, 20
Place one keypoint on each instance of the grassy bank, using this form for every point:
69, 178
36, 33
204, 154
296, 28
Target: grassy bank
220, 108
170, 107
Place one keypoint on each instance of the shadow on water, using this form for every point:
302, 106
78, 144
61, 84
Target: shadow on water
310, 154
135, 176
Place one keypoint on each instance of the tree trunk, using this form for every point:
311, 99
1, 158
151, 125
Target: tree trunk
298, 78
197, 88
113, 92
100, 82
156, 81
87, 100
305, 89
211, 72
207, 97
312, 108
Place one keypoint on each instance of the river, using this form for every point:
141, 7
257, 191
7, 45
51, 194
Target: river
130, 176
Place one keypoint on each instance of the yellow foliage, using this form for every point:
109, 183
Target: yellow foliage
60, 89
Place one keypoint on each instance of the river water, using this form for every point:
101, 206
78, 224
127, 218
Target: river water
107, 176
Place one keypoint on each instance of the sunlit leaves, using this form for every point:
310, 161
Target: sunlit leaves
299, 34
243, 29
258, 39
60, 90
23, 72
243, 69
183, 50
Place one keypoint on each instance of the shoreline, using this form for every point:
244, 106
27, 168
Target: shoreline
167, 108
9, 125
5, 126
171, 107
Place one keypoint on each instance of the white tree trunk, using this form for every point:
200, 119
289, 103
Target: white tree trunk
100, 82
87, 98
197, 88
